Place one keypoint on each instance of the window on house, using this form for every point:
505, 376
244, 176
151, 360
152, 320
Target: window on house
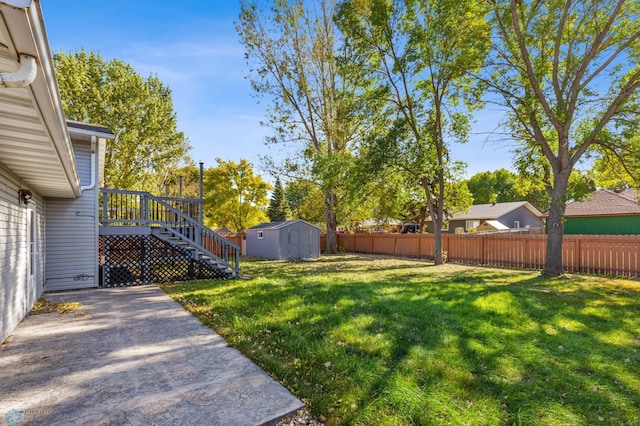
516, 224
471, 224
260, 235
445, 225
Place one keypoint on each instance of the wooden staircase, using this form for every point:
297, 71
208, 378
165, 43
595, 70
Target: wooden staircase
145, 239
198, 252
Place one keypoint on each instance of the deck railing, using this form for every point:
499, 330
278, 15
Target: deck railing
136, 208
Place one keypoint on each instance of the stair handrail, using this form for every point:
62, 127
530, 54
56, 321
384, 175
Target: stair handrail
202, 230
233, 265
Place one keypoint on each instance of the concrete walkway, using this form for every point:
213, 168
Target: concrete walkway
131, 356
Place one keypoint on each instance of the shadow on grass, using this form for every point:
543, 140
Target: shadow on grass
416, 344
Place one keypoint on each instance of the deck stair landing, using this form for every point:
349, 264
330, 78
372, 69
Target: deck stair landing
148, 239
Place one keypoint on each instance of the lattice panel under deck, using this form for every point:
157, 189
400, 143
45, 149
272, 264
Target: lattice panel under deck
143, 259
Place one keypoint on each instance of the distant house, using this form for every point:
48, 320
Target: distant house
222, 230
496, 216
292, 239
379, 225
604, 212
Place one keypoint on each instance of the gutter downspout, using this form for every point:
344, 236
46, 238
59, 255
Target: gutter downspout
24, 76
94, 158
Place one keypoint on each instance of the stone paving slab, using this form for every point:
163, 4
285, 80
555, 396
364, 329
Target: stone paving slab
131, 356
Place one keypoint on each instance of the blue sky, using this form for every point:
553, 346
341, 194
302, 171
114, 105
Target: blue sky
193, 47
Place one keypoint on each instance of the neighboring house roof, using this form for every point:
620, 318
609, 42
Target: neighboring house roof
278, 225
32, 117
603, 203
493, 225
494, 211
222, 230
634, 194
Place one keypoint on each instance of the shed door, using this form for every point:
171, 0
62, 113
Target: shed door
305, 244
294, 244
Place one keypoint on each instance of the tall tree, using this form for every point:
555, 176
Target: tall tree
619, 171
422, 52
234, 197
138, 110
568, 73
296, 53
499, 186
278, 210
503, 186
189, 175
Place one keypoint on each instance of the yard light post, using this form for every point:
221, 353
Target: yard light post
201, 193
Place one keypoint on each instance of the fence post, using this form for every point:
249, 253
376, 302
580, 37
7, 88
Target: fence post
395, 245
483, 245
445, 244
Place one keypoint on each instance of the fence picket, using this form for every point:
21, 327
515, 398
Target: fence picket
600, 254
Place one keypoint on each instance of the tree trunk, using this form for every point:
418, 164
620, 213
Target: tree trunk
437, 242
555, 225
436, 219
331, 246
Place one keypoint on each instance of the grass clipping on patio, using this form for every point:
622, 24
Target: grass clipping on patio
368, 340
44, 306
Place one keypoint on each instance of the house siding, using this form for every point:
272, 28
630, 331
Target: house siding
268, 247
524, 216
18, 288
453, 224
602, 225
72, 229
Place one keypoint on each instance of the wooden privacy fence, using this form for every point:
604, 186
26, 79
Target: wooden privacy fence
596, 254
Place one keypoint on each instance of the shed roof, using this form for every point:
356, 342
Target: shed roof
494, 211
278, 225
603, 203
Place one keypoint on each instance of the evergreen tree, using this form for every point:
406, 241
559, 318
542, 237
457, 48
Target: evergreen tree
278, 210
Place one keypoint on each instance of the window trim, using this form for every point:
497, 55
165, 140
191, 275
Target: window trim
261, 235
473, 224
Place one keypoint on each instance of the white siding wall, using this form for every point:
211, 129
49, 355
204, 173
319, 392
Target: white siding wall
18, 288
72, 233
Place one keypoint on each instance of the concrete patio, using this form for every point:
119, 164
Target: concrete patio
131, 356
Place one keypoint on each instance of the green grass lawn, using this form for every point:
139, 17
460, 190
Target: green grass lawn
367, 340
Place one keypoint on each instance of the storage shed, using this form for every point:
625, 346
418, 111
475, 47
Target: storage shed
292, 239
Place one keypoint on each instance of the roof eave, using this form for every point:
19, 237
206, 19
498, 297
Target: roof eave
27, 31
